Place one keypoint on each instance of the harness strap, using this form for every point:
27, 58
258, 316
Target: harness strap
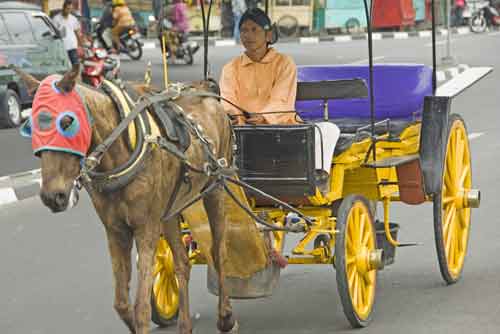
177, 187
95, 157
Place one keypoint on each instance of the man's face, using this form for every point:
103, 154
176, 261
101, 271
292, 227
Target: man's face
253, 36
67, 9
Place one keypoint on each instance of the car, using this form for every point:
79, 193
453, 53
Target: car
28, 40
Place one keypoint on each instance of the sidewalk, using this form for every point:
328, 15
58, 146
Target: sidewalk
218, 41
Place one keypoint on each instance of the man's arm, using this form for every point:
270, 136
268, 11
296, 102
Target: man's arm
76, 29
228, 87
283, 94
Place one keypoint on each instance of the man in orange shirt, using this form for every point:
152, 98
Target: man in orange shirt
263, 82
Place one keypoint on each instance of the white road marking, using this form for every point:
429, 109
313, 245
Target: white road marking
475, 135
363, 61
309, 40
400, 35
7, 195
425, 33
342, 38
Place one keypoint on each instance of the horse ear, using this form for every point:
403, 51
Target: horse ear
30, 82
67, 83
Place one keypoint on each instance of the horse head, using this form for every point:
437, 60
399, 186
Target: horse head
61, 133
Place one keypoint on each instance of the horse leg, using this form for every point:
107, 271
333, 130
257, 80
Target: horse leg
214, 206
173, 235
146, 239
120, 246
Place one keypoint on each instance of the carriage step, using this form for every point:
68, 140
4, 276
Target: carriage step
392, 162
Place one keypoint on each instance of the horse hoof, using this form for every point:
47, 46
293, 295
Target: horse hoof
234, 330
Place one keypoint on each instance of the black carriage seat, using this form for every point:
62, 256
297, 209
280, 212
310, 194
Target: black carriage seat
280, 159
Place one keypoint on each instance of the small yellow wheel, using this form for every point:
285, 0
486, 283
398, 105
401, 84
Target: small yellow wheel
165, 294
451, 216
355, 252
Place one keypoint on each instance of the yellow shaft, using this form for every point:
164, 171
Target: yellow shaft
164, 51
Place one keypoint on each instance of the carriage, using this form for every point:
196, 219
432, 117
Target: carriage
399, 142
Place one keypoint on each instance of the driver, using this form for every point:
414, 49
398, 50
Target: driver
263, 82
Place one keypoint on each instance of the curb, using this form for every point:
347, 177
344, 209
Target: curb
218, 42
20, 186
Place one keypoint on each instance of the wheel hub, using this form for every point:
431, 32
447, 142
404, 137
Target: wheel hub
467, 198
368, 260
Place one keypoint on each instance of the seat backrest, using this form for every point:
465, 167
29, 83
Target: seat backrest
399, 91
331, 90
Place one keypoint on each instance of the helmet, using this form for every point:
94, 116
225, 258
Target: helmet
118, 2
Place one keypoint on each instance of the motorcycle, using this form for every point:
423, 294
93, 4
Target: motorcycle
130, 42
486, 16
177, 46
98, 65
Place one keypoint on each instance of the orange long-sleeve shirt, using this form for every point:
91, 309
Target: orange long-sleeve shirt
267, 86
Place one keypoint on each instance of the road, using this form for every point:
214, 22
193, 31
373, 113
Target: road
56, 273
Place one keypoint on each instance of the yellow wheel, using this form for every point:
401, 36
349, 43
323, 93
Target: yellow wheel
451, 216
165, 294
355, 251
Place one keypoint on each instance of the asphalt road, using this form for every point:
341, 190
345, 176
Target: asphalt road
55, 270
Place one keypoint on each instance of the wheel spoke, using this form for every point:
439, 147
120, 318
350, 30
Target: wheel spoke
448, 199
351, 273
451, 258
459, 153
465, 172
450, 217
350, 260
366, 240
355, 290
355, 228
448, 240
362, 221
361, 293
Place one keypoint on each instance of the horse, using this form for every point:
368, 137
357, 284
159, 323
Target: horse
133, 213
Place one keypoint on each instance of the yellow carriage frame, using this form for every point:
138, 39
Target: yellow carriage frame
429, 162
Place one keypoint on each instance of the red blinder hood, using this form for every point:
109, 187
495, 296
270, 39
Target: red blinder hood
59, 121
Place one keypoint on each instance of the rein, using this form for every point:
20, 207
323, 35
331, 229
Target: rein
213, 167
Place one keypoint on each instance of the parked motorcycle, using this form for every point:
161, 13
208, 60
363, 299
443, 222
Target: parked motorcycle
486, 16
98, 65
177, 45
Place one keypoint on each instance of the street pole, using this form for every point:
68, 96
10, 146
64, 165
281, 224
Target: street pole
448, 59
45, 6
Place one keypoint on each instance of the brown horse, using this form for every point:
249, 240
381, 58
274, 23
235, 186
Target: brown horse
134, 212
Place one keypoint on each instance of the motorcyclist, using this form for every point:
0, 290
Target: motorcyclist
122, 20
105, 24
175, 24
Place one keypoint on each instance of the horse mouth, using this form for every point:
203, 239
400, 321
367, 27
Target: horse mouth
60, 201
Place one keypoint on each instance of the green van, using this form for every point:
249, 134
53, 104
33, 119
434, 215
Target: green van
29, 40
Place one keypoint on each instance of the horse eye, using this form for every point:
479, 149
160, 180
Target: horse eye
66, 122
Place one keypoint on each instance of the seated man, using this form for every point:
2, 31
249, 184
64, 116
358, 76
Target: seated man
263, 82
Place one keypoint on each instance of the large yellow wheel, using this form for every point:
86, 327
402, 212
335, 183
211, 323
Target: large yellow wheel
355, 249
451, 216
165, 294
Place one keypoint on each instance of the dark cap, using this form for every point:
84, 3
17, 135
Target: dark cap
258, 16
